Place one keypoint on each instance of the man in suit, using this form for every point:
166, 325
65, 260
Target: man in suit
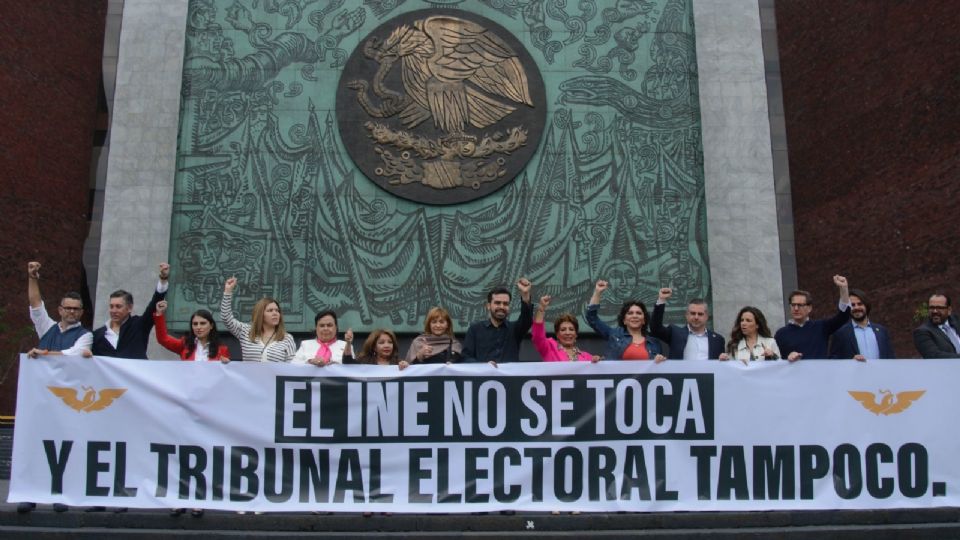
937, 336
126, 335
692, 341
861, 339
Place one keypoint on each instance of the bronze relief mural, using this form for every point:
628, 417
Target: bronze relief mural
380, 158
440, 106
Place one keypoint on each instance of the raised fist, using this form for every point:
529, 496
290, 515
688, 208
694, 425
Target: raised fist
33, 270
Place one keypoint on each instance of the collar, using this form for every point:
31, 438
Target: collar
855, 325
705, 332
71, 327
799, 325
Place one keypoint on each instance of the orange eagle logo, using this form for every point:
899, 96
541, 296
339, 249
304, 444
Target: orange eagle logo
90, 401
888, 404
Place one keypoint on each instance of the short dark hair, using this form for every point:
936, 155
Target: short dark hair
322, 314
120, 293
863, 298
697, 301
626, 307
808, 298
72, 295
938, 293
498, 290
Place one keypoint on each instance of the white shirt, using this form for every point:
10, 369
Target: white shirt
309, 347
697, 347
43, 323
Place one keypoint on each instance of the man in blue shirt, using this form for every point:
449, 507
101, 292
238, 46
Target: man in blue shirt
861, 339
496, 339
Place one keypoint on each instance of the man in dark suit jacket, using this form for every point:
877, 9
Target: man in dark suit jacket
704, 343
126, 335
861, 339
938, 336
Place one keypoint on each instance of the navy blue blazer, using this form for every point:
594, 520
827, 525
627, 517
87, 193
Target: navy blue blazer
675, 336
843, 344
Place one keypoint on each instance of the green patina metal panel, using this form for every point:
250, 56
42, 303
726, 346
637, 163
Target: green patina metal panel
265, 190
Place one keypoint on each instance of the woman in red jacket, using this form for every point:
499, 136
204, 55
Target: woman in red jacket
201, 343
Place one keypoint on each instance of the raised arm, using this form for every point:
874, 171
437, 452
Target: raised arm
525, 321
146, 320
592, 315
239, 330
33, 284
538, 333
163, 338
656, 321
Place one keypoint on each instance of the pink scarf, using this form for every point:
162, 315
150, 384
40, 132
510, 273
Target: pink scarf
324, 353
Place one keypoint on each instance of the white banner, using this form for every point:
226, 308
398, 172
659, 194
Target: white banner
631, 436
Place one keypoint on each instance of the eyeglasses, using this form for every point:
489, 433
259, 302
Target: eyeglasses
938, 308
798, 306
65, 308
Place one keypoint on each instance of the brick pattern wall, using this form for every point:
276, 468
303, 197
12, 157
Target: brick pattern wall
50, 58
872, 113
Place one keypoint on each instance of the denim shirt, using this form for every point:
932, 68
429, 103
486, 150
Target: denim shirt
618, 338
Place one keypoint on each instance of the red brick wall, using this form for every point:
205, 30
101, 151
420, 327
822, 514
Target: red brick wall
872, 103
50, 65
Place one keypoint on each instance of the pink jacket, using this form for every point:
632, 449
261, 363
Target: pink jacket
549, 349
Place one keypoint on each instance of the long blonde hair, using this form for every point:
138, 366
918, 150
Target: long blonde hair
256, 324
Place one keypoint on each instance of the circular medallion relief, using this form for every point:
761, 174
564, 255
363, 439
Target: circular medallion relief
440, 106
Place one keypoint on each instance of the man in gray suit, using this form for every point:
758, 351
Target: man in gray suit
938, 336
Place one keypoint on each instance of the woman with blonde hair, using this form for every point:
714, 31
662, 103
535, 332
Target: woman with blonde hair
436, 345
264, 339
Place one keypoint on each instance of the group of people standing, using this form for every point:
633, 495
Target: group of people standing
637, 335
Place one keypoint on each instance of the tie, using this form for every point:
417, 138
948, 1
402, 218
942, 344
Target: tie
952, 334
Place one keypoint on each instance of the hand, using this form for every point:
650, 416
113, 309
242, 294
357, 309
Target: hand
840, 281
594, 359
768, 353
492, 363
665, 294
348, 336
659, 358
36, 352
424, 352
403, 364
860, 358
229, 285
164, 271
601, 286
794, 356
724, 357
544, 302
33, 270
86, 353
523, 285
225, 360
319, 362
161, 307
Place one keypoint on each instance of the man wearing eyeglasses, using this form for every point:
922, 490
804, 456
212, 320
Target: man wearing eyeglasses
68, 337
805, 338
937, 336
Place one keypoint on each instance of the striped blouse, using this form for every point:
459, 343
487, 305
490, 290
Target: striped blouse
256, 351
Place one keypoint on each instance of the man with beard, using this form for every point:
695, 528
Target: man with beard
937, 336
861, 339
806, 338
496, 339
693, 341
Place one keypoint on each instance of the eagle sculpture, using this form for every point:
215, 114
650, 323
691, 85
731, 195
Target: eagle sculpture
454, 71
